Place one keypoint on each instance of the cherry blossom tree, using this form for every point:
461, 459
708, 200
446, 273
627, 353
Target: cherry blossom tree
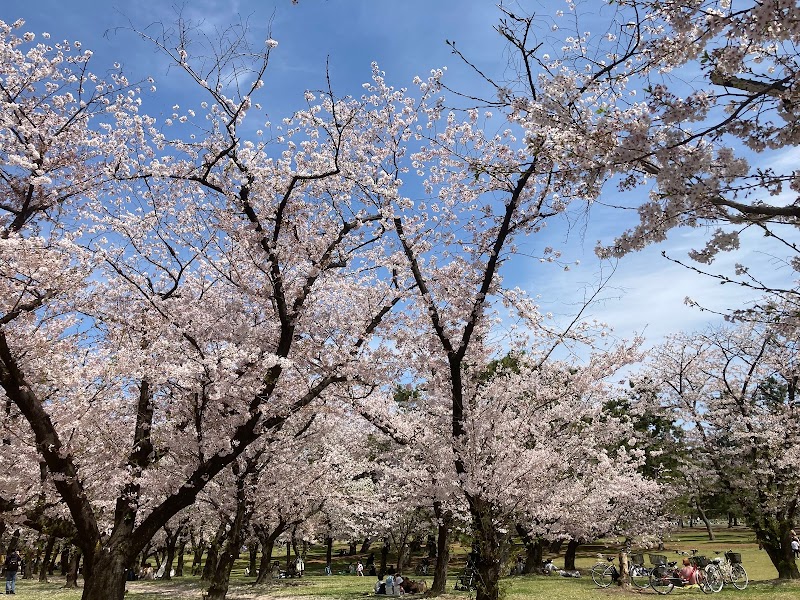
691, 102
735, 388
169, 299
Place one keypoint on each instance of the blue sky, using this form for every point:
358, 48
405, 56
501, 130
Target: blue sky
406, 39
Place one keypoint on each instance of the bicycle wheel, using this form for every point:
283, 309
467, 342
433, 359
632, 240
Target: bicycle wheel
640, 576
714, 580
603, 574
702, 580
661, 581
739, 577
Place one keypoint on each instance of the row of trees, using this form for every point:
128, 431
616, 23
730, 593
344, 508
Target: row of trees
207, 309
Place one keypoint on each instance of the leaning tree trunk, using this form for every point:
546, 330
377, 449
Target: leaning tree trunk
706, 522
365, 545
267, 547
533, 551
444, 519
569, 557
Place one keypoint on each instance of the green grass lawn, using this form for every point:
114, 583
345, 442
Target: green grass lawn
349, 587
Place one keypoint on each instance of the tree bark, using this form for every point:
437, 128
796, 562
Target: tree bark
72, 573
267, 539
51, 569
48, 553
444, 519
624, 580
252, 547
489, 545
106, 581
384, 554
707, 523
775, 537
181, 558
365, 545
65, 558
351, 551
230, 551
533, 551
197, 555
213, 553
569, 557
329, 555
170, 547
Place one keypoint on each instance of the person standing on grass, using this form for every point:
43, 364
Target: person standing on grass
12, 564
360, 569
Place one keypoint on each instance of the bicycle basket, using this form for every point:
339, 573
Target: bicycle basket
700, 562
734, 557
636, 559
658, 559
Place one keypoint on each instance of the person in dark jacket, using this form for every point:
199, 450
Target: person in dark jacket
12, 565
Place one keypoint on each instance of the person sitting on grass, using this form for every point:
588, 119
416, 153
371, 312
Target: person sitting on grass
380, 585
688, 572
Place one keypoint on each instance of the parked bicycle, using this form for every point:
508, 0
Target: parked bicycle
666, 576
730, 570
422, 566
604, 573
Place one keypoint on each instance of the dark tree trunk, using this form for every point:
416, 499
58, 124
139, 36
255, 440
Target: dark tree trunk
569, 557
51, 569
533, 551
181, 559
107, 578
213, 553
706, 522
267, 540
253, 549
555, 546
352, 549
235, 535
365, 545
384, 554
72, 572
444, 519
329, 554
65, 558
48, 553
145, 554
170, 548
776, 538
27, 572
489, 542
197, 556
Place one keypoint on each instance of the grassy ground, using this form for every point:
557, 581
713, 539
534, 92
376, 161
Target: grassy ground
348, 587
